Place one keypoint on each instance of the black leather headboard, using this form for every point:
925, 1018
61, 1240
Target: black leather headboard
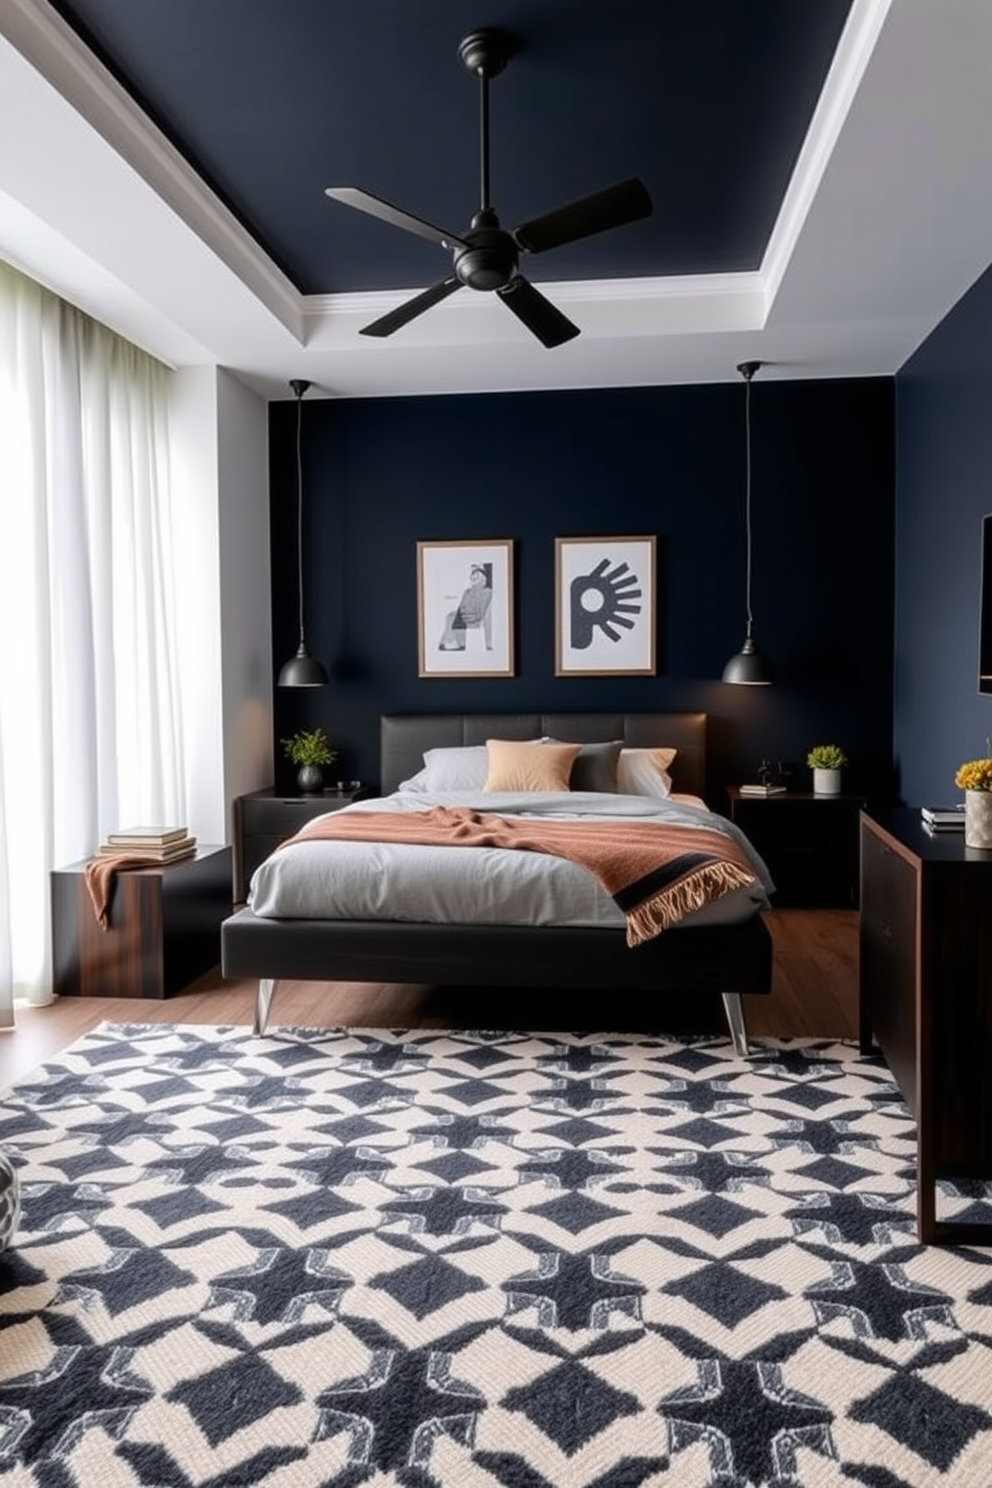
404, 737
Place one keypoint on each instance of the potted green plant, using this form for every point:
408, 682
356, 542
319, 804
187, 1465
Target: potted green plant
309, 750
826, 761
975, 778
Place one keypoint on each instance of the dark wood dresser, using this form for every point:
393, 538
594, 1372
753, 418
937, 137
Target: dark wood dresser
926, 996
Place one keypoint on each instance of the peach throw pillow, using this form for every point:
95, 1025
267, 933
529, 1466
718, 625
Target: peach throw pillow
515, 765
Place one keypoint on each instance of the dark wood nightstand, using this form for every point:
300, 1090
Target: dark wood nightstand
809, 842
264, 818
164, 929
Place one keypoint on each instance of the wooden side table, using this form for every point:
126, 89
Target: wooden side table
263, 819
809, 842
164, 927
926, 961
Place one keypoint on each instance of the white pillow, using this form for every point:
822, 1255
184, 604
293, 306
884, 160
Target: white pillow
459, 768
644, 772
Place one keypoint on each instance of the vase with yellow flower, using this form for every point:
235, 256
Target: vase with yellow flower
975, 779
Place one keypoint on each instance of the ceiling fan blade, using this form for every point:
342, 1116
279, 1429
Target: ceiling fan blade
403, 314
538, 314
617, 205
353, 196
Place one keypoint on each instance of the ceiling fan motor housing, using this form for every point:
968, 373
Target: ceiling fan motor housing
490, 259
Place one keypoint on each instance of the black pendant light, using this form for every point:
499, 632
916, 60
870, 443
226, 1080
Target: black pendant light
304, 670
747, 668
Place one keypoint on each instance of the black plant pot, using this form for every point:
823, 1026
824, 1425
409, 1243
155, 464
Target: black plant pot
310, 779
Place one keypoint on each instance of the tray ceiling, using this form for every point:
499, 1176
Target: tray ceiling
821, 174
707, 101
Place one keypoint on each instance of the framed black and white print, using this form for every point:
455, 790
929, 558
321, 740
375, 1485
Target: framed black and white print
465, 608
604, 606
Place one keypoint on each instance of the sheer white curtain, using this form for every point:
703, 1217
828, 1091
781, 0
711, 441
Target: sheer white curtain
90, 717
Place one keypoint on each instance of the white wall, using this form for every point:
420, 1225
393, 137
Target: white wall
219, 453
193, 454
245, 589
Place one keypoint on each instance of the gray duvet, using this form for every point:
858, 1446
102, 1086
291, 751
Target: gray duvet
492, 886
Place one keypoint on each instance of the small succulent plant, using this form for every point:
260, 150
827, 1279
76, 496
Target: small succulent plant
826, 757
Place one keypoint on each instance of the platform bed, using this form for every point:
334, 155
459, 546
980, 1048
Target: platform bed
732, 960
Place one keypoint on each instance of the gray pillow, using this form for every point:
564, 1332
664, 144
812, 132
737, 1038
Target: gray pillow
595, 767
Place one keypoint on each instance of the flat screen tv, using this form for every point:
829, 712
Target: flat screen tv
985, 611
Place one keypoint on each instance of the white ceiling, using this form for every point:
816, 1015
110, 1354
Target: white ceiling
887, 222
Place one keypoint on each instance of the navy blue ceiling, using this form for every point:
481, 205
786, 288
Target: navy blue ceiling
707, 101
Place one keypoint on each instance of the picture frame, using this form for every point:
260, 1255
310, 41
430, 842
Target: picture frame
605, 606
465, 608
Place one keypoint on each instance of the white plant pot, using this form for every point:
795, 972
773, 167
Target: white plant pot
826, 782
978, 819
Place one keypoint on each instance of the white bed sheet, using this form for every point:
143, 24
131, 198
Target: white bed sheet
491, 886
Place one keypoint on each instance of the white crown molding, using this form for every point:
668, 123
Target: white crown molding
857, 43
571, 291
50, 45
607, 308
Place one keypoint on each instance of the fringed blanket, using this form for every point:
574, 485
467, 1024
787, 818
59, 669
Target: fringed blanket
656, 874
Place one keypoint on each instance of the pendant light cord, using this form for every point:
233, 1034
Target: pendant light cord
747, 495
747, 668
299, 507
747, 371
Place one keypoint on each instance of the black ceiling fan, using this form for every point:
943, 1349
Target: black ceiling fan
486, 256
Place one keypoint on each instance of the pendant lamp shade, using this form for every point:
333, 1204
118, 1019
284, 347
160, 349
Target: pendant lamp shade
747, 668
303, 670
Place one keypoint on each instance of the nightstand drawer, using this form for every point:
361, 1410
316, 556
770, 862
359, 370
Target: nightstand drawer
262, 820
283, 815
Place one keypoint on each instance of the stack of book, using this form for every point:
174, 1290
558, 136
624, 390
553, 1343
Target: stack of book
157, 844
943, 818
762, 790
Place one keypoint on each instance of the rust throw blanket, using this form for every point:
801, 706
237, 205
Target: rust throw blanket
655, 873
100, 874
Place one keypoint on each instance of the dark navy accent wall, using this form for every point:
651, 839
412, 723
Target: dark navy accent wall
944, 488
380, 474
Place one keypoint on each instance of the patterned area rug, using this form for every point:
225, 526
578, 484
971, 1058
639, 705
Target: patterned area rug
497, 1260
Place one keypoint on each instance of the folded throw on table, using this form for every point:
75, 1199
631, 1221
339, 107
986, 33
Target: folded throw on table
654, 872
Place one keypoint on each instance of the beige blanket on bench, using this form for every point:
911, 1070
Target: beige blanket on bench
656, 874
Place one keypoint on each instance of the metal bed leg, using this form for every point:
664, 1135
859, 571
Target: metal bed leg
263, 1001
734, 1010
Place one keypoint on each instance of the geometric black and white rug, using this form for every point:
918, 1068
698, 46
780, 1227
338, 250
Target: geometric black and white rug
497, 1260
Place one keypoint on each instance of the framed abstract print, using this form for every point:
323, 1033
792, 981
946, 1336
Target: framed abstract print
604, 606
465, 608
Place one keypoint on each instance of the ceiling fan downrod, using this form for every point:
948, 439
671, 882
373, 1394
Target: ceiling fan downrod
489, 261
485, 53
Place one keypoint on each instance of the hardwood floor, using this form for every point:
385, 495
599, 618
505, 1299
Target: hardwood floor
814, 995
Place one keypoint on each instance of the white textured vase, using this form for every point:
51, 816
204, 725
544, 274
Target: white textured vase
978, 819
826, 782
